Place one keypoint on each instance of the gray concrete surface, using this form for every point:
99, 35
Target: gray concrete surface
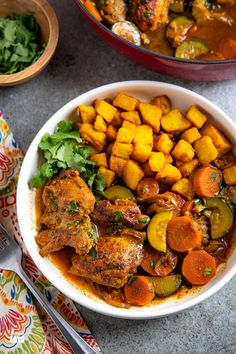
83, 61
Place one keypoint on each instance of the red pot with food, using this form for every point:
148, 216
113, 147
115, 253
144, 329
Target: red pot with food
196, 42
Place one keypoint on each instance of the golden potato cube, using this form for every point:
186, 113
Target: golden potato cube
87, 113
122, 150
168, 158
191, 135
117, 120
127, 103
144, 135
111, 132
221, 143
174, 122
132, 174
157, 161
151, 115
146, 170
109, 176
100, 124
169, 174
183, 151
225, 161
100, 159
128, 125
125, 135
229, 175
141, 152
163, 102
132, 117
163, 144
205, 150
106, 110
184, 187
196, 117
88, 133
117, 164
187, 168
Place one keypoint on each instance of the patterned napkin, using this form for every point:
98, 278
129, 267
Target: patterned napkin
23, 327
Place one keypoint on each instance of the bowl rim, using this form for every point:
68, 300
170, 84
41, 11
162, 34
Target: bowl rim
40, 262
148, 51
35, 68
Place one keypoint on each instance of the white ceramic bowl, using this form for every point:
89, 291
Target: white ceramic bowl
144, 90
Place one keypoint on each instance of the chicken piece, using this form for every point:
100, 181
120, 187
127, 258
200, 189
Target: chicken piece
67, 201
80, 235
122, 213
139, 236
111, 263
201, 13
113, 10
149, 14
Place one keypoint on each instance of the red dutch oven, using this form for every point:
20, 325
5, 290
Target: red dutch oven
198, 70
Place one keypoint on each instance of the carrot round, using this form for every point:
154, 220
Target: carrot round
183, 234
139, 291
199, 267
91, 7
158, 263
206, 181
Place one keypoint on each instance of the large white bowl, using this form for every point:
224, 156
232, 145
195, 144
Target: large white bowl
144, 90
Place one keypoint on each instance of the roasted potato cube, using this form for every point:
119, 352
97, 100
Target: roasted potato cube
111, 132
128, 125
117, 164
205, 150
132, 117
100, 124
151, 115
183, 151
144, 135
88, 133
174, 122
157, 161
169, 174
122, 150
229, 175
191, 135
184, 187
109, 176
100, 159
87, 113
221, 143
162, 102
168, 158
187, 168
117, 120
106, 110
163, 144
125, 135
196, 117
125, 102
132, 174
225, 161
146, 170
141, 152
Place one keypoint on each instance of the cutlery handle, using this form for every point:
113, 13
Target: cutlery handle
76, 342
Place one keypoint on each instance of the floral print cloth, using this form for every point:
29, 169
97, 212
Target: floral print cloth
23, 327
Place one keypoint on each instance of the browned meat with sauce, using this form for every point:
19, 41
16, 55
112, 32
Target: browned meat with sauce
148, 15
111, 263
122, 213
113, 10
67, 201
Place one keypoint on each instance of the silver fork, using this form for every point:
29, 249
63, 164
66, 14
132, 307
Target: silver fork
10, 259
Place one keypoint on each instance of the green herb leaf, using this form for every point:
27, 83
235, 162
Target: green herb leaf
144, 220
207, 271
93, 253
213, 175
118, 216
152, 263
197, 201
131, 279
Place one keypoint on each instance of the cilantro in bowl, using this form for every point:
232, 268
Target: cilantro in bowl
20, 44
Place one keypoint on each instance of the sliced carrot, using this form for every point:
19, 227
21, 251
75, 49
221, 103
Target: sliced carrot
228, 48
139, 291
187, 207
158, 263
199, 267
183, 234
207, 181
91, 7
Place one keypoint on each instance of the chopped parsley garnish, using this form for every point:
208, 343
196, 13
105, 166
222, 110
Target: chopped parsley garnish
131, 279
147, 14
197, 201
144, 220
93, 253
220, 183
213, 175
72, 207
207, 271
143, 189
118, 216
53, 204
152, 263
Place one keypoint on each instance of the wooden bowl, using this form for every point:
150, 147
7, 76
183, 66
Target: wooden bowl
48, 23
